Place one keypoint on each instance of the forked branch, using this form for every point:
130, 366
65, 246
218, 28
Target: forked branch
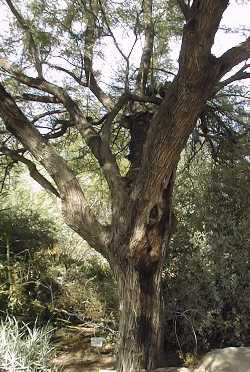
90, 39
100, 150
76, 210
241, 74
34, 173
234, 56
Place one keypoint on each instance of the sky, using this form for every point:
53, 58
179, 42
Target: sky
237, 14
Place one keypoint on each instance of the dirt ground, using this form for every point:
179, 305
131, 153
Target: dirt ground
75, 354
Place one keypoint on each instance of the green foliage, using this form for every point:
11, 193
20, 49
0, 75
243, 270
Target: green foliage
25, 237
189, 360
26, 232
25, 348
88, 292
207, 275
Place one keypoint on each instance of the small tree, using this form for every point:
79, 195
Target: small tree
136, 240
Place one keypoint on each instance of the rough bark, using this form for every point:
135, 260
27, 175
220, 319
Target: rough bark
140, 318
136, 241
138, 264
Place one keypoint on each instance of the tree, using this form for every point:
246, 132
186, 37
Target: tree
135, 241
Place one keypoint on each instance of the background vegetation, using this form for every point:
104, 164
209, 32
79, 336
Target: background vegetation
48, 275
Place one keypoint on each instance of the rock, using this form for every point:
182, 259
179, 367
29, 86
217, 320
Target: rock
230, 359
170, 369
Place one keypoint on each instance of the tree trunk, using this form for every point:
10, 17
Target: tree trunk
140, 338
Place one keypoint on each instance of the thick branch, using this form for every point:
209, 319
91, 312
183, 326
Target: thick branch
145, 99
100, 150
181, 107
198, 36
37, 176
234, 56
38, 83
76, 211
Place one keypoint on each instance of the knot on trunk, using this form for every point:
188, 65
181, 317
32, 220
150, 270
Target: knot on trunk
145, 251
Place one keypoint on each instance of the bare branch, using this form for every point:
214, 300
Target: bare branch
7, 170
239, 75
90, 40
37, 98
234, 56
110, 31
47, 113
35, 50
124, 56
76, 210
142, 76
38, 83
107, 126
70, 73
145, 99
59, 132
100, 150
34, 173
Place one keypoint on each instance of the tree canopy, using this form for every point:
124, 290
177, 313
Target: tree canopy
134, 124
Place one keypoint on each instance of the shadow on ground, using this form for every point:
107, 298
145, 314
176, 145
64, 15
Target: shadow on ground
75, 353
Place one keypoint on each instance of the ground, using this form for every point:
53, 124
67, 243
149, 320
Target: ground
75, 353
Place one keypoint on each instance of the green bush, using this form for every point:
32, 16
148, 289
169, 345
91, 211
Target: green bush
206, 279
88, 291
26, 240
25, 348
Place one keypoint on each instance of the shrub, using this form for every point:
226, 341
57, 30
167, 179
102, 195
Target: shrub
25, 348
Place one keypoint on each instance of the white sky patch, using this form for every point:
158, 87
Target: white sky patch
236, 15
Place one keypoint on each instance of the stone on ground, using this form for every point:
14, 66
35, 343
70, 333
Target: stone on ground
230, 359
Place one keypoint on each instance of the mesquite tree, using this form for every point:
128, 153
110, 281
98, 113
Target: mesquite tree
50, 88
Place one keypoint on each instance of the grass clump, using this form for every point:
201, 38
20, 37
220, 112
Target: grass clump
23, 348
